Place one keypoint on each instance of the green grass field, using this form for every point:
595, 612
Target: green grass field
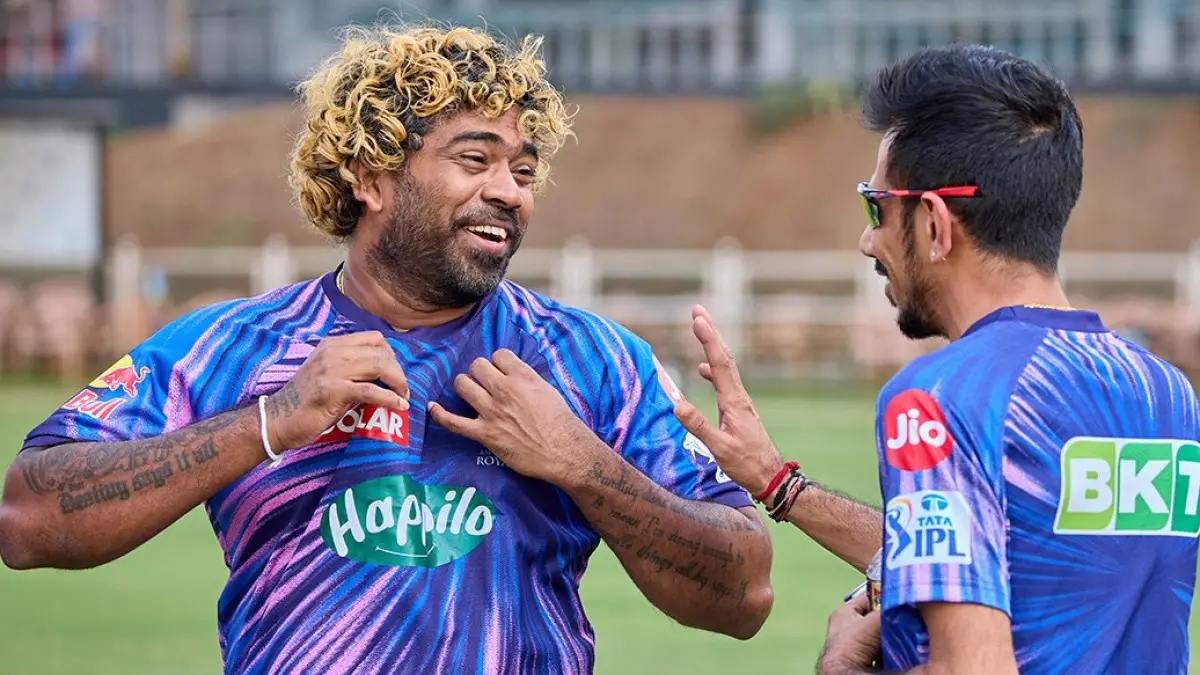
153, 612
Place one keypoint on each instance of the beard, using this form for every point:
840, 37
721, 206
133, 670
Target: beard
421, 256
915, 316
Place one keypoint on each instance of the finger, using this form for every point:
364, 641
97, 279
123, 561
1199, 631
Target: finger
705, 371
723, 371
369, 363
861, 603
869, 627
365, 392
511, 364
393, 376
694, 421
463, 426
486, 374
476, 396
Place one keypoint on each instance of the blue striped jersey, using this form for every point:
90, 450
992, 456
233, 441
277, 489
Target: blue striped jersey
1045, 467
391, 545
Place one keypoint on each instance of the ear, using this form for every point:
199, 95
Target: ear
368, 187
940, 226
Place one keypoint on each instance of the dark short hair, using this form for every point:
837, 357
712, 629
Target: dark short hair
975, 115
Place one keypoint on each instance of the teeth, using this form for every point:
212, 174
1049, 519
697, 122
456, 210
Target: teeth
490, 231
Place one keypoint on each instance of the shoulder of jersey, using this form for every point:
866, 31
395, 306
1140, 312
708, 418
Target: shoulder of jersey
547, 319
247, 311
995, 347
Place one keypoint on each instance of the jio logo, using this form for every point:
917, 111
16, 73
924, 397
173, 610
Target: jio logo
915, 431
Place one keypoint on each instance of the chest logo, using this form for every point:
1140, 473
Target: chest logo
399, 522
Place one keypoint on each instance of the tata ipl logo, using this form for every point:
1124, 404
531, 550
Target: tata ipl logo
899, 515
928, 527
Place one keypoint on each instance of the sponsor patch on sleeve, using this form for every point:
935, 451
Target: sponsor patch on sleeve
928, 527
697, 447
916, 437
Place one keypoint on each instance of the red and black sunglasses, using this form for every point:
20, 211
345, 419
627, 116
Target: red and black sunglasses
872, 196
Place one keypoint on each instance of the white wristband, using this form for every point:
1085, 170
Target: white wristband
262, 417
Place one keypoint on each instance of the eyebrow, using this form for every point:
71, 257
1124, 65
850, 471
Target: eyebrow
492, 138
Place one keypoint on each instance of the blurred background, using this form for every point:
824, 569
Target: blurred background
143, 155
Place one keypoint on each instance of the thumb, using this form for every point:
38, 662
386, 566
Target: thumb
463, 426
694, 421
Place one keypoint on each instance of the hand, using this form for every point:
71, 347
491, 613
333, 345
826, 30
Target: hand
339, 374
739, 443
522, 419
852, 639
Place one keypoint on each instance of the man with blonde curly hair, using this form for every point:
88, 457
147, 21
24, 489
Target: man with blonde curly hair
409, 460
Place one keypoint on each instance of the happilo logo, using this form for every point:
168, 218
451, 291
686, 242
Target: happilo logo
369, 421
1129, 486
399, 522
927, 527
915, 434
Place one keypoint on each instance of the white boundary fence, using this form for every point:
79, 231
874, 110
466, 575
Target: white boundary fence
730, 281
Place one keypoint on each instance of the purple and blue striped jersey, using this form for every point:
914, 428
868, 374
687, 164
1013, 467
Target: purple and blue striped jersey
1047, 468
391, 545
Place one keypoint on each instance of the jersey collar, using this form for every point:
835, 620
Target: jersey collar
1056, 319
368, 321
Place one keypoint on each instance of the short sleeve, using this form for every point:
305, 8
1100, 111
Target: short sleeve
613, 380
147, 392
944, 519
646, 432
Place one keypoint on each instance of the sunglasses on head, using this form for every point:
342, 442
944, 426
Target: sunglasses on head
872, 196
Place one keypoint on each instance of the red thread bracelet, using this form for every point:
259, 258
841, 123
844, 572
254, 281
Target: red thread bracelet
787, 468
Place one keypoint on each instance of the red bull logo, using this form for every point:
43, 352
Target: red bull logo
122, 375
87, 402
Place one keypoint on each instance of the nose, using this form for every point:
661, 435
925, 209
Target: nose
866, 242
502, 191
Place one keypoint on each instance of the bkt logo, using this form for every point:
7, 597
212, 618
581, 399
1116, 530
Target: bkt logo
915, 432
927, 527
1129, 486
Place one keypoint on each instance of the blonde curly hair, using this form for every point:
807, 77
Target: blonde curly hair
372, 101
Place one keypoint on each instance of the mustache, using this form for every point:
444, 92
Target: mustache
879, 269
483, 215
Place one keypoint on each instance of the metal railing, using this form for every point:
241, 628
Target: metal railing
820, 288
608, 44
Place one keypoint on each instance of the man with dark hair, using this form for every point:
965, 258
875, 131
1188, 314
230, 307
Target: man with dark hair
1041, 474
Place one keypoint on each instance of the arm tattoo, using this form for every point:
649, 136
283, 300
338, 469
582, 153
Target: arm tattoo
284, 402
665, 548
86, 474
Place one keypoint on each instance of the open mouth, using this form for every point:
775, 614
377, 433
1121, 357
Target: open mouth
491, 233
